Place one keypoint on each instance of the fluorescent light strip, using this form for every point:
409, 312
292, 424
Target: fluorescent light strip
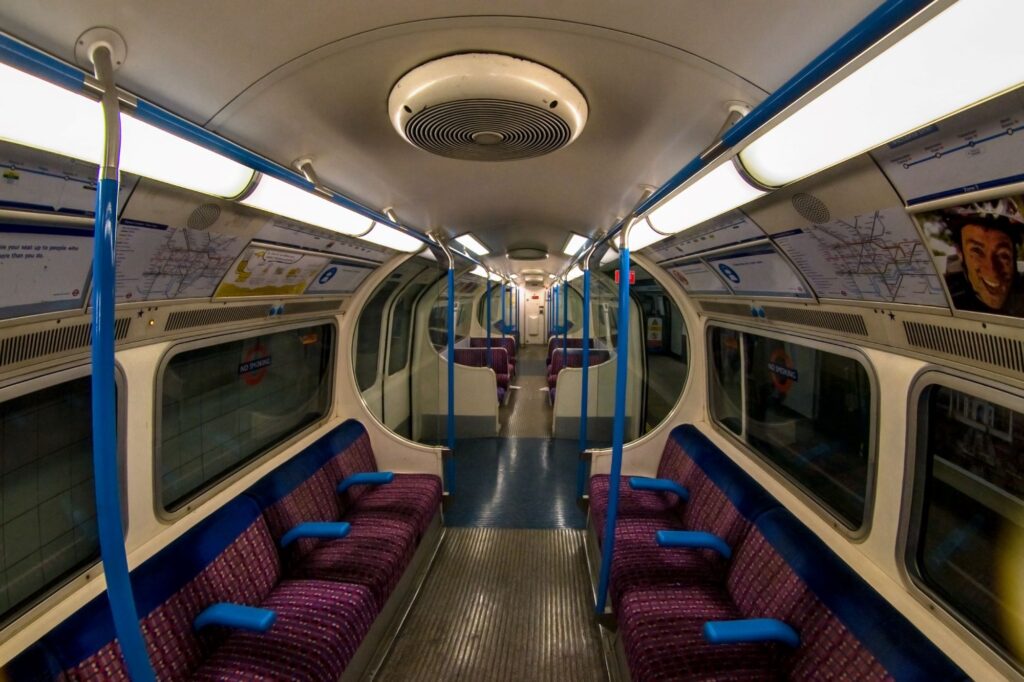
39, 114
479, 271
641, 235
473, 244
385, 235
276, 196
968, 53
574, 273
575, 243
721, 190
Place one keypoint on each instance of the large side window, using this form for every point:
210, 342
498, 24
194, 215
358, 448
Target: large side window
805, 411
968, 543
225, 404
47, 503
368, 335
401, 329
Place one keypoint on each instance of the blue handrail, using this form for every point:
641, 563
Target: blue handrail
113, 553
581, 466
618, 429
488, 304
449, 475
565, 321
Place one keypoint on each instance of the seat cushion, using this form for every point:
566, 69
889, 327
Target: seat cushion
414, 497
632, 503
319, 626
661, 632
374, 555
640, 563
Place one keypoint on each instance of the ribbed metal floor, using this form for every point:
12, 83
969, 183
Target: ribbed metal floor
502, 604
528, 414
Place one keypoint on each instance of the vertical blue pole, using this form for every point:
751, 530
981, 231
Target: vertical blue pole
488, 297
504, 314
450, 474
618, 425
565, 322
104, 397
581, 467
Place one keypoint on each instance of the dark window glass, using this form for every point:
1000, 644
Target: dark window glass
401, 329
970, 547
48, 505
368, 335
224, 405
726, 398
805, 411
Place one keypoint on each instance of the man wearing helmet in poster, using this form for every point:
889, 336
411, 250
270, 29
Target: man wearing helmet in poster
989, 240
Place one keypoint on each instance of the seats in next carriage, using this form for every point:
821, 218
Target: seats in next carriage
300, 565
496, 359
506, 342
570, 358
712, 579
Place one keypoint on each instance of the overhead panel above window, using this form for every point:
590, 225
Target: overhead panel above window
340, 277
726, 230
758, 271
290, 233
697, 277
263, 270
978, 149
174, 244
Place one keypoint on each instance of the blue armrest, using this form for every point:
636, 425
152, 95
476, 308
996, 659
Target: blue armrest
692, 539
324, 530
751, 630
659, 485
366, 478
238, 616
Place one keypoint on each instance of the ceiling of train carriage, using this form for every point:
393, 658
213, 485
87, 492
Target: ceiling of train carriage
312, 79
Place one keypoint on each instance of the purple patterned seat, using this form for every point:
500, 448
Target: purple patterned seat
779, 570
570, 342
478, 357
675, 464
228, 557
506, 342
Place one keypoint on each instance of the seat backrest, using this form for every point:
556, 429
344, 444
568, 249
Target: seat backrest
506, 342
228, 556
847, 630
574, 358
471, 357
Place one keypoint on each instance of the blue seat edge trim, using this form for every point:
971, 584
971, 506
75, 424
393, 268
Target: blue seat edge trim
750, 630
240, 616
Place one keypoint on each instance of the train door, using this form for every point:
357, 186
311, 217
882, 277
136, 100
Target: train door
533, 310
397, 380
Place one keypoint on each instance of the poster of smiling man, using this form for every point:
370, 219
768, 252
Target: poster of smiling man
979, 249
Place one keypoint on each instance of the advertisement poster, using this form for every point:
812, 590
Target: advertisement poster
264, 271
698, 278
979, 251
759, 271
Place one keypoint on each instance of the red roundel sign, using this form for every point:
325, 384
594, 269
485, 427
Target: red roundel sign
784, 375
255, 364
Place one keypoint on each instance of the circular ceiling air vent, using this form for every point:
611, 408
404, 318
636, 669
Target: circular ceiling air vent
486, 107
526, 253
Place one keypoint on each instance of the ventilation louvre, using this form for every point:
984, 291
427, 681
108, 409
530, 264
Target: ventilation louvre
970, 346
847, 323
311, 307
62, 339
189, 319
723, 308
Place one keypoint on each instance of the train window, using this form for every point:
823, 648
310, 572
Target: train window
369, 333
48, 510
968, 546
401, 328
726, 377
224, 404
805, 410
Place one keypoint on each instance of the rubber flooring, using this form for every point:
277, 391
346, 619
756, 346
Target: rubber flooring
501, 605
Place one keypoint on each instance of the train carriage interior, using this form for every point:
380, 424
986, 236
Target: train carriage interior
442, 340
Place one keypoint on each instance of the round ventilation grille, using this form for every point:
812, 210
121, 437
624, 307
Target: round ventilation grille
811, 208
486, 107
526, 253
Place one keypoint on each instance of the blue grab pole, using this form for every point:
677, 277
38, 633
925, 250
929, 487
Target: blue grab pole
581, 467
104, 440
488, 297
565, 321
504, 308
618, 427
450, 473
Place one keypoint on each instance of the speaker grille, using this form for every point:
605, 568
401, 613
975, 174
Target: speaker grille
311, 307
811, 208
62, 339
970, 346
725, 308
487, 130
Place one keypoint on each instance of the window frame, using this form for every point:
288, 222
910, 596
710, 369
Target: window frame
912, 503
819, 507
212, 490
32, 382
